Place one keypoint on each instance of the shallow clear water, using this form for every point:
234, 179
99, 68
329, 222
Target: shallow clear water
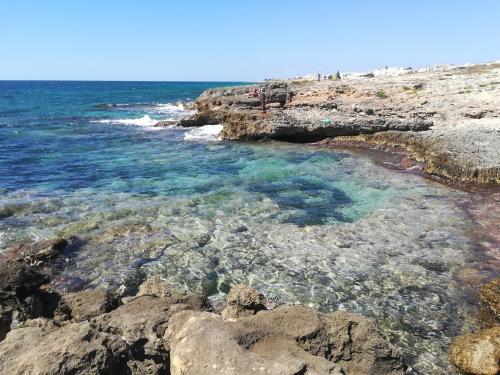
328, 229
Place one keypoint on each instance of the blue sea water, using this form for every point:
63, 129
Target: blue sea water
331, 229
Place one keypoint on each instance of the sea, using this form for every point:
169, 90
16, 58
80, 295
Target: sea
331, 229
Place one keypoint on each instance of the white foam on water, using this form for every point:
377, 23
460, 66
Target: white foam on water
144, 121
170, 108
207, 133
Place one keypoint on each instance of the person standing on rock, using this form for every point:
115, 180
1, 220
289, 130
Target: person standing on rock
263, 99
319, 77
338, 74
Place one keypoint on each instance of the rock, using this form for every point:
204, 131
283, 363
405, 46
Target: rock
477, 353
142, 322
20, 296
288, 340
9, 210
38, 253
242, 301
165, 123
490, 297
85, 305
42, 347
155, 286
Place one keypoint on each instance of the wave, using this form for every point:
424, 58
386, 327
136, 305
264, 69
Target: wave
207, 133
144, 121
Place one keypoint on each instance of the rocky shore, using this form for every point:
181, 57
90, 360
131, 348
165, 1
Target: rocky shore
449, 120
158, 330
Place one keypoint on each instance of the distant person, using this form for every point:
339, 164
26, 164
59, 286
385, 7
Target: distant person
263, 99
338, 74
319, 77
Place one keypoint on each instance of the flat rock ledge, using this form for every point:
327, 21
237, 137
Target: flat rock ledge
161, 332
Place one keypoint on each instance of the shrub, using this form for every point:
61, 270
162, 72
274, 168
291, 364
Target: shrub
381, 94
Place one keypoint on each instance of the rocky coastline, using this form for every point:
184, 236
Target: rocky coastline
445, 123
448, 120
160, 331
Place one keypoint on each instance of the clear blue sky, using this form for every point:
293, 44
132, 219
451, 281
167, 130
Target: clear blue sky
238, 40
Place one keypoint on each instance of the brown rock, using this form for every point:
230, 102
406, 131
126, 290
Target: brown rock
288, 340
477, 353
155, 286
42, 347
37, 253
242, 301
490, 297
85, 305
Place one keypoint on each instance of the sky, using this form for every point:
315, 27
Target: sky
223, 40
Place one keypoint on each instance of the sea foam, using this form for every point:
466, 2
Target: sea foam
144, 121
207, 133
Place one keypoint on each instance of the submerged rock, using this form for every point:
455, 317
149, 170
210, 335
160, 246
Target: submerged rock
490, 297
38, 253
477, 353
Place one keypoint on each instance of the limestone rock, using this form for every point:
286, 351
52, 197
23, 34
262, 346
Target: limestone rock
85, 305
242, 301
288, 340
42, 347
20, 296
155, 286
490, 297
37, 253
477, 353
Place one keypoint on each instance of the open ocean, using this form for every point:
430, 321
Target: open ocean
325, 228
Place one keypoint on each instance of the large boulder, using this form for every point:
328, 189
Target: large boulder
42, 347
288, 340
477, 353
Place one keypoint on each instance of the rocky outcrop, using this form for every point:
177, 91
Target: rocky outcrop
477, 353
161, 332
454, 131
440, 157
288, 340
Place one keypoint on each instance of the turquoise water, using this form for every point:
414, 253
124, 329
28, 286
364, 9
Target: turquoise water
327, 229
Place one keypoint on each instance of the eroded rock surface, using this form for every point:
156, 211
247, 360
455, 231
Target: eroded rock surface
85, 305
242, 301
288, 340
44, 347
477, 353
452, 117
490, 297
160, 332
